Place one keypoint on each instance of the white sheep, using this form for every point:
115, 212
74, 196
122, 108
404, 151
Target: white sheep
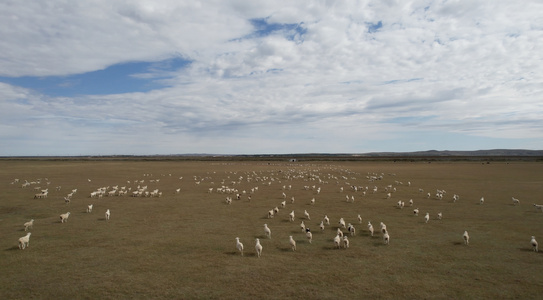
321, 225
370, 228
386, 238
267, 231
258, 248
292, 243
28, 224
538, 207
533, 242
342, 223
302, 226
327, 220
351, 229
482, 200
337, 241
308, 235
439, 215
466, 237
283, 204
24, 241
515, 201
339, 232
427, 217
108, 214
291, 216
345, 242
359, 219
239, 246
64, 217
306, 214
271, 213
410, 202
416, 211
89, 208
312, 202
456, 197
383, 227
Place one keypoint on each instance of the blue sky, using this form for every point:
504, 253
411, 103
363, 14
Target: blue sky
259, 77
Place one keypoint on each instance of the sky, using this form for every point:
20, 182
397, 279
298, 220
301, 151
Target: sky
110, 77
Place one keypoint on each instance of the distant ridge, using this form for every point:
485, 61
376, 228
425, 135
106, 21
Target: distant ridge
492, 152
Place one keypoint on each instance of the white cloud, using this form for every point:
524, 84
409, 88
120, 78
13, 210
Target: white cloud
331, 84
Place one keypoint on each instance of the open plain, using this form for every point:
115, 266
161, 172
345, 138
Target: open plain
179, 242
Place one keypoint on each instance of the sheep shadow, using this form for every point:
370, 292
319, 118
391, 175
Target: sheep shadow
286, 249
101, 219
527, 250
458, 243
12, 248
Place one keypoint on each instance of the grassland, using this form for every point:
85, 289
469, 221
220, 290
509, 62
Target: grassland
182, 246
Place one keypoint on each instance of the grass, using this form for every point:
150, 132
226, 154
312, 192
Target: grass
182, 246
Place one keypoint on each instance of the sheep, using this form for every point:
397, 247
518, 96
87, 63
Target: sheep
345, 242
271, 213
308, 235
327, 221
108, 213
283, 204
439, 215
292, 199
239, 246
28, 224
89, 208
370, 228
275, 210
533, 242
351, 229
312, 202
228, 200
67, 200
258, 248
515, 201
342, 223
466, 237
416, 211
267, 231
410, 202
482, 200
306, 214
456, 197
383, 227
321, 225
292, 243
64, 217
302, 225
386, 238
359, 219
339, 232
291, 216
538, 206
24, 241
427, 217
337, 241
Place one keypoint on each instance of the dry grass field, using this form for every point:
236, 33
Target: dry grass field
182, 245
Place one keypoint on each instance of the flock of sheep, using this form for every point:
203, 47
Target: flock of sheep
25, 240
341, 240
317, 182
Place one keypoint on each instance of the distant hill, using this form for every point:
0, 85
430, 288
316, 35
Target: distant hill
444, 153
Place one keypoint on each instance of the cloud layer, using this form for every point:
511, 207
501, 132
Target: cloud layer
274, 77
